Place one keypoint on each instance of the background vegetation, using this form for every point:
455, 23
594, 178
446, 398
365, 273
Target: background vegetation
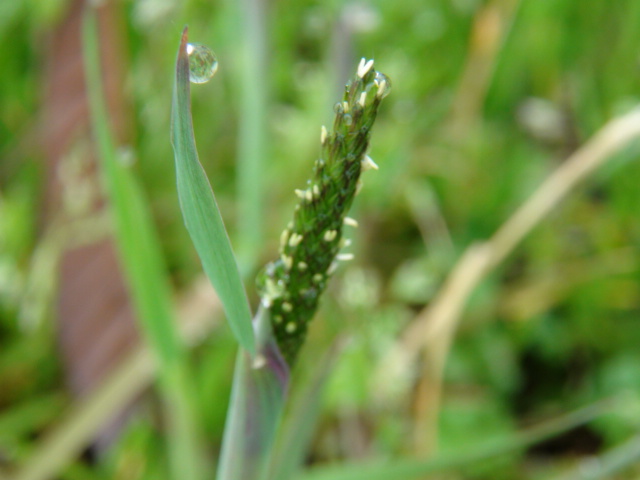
488, 98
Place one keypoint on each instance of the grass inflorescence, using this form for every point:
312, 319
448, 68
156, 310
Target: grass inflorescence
290, 286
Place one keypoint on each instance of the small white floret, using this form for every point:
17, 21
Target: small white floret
364, 67
350, 221
259, 361
300, 193
287, 261
287, 307
323, 134
344, 257
283, 237
330, 235
266, 301
368, 164
362, 99
271, 292
295, 239
291, 327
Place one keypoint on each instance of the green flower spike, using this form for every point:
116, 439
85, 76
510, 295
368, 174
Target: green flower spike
290, 287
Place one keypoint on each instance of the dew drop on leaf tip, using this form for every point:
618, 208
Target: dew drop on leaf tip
203, 63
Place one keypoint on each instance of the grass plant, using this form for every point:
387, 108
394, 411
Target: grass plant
482, 325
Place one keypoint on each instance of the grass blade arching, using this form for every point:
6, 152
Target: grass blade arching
200, 210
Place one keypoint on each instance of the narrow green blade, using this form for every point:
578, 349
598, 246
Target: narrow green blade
257, 399
200, 210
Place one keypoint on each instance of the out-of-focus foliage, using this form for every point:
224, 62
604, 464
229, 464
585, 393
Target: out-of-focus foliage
488, 98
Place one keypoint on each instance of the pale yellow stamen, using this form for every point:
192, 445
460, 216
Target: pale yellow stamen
330, 235
350, 221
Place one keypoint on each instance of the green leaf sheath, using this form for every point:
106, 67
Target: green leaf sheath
290, 287
257, 400
200, 210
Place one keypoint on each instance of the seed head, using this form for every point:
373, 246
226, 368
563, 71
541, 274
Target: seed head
290, 287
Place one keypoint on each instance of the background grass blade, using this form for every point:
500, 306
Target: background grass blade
200, 210
410, 469
616, 460
253, 141
142, 263
257, 399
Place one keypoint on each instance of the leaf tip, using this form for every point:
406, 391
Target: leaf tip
184, 40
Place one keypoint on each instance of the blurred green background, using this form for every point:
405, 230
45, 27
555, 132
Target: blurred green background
488, 98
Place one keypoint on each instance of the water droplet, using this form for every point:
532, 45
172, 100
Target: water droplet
348, 119
203, 63
338, 108
383, 83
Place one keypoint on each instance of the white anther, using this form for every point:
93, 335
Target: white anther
258, 362
295, 239
330, 235
364, 67
368, 164
362, 99
350, 221
287, 261
283, 237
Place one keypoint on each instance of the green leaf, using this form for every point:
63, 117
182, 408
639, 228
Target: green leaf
200, 210
257, 398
